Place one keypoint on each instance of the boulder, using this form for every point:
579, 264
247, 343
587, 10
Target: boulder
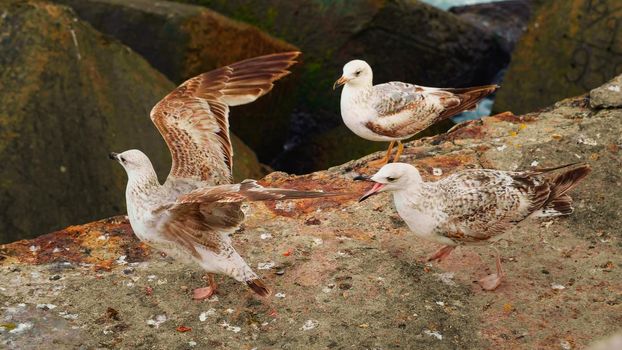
569, 48
608, 95
183, 41
68, 97
402, 40
508, 19
348, 274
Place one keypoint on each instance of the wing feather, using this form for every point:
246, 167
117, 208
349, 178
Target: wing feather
194, 118
406, 109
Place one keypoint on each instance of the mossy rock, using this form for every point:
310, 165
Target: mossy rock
402, 40
184, 40
68, 97
569, 48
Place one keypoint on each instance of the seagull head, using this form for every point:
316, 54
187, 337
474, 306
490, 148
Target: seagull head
356, 73
392, 177
135, 163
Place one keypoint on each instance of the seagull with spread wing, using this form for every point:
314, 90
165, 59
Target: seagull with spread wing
191, 216
396, 111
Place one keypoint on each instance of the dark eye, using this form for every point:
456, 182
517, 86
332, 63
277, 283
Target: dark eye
122, 159
358, 72
391, 179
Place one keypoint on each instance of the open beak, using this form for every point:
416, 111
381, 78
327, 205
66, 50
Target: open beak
374, 190
340, 82
113, 156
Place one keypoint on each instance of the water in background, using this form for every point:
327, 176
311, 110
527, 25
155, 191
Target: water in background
485, 106
445, 4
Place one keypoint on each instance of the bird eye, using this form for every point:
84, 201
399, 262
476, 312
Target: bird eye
122, 159
357, 73
391, 179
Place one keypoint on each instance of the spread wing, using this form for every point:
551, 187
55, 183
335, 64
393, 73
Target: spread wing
485, 203
406, 109
194, 118
206, 215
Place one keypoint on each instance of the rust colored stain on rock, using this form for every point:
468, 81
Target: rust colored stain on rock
512, 118
100, 243
331, 182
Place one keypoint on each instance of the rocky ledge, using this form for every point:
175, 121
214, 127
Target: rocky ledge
347, 274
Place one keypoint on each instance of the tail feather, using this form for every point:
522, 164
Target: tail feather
468, 99
259, 287
558, 206
558, 202
565, 181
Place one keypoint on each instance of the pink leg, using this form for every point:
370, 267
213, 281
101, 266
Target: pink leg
491, 282
205, 292
441, 253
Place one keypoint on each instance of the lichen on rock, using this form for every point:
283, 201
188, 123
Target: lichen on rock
351, 273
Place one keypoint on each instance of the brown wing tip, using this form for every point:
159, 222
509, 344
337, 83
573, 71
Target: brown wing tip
259, 287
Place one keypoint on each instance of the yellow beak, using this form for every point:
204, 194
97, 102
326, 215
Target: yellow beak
340, 82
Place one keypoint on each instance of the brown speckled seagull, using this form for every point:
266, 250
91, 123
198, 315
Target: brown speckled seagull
476, 206
396, 111
191, 216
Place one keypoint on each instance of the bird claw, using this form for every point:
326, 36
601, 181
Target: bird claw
441, 253
203, 293
490, 282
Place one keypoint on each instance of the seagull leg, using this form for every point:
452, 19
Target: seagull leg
491, 282
205, 292
400, 149
385, 159
441, 253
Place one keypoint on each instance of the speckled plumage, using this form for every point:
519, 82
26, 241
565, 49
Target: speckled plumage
473, 206
191, 216
476, 206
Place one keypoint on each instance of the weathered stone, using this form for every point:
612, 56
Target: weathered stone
402, 40
184, 40
608, 95
569, 48
508, 19
68, 97
354, 277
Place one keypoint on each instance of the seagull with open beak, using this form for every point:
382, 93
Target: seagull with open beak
475, 206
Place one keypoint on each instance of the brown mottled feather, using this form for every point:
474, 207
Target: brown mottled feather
481, 204
406, 109
194, 118
259, 287
200, 216
463, 99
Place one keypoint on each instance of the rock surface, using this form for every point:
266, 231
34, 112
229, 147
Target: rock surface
68, 97
347, 273
608, 95
569, 48
508, 19
402, 40
183, 41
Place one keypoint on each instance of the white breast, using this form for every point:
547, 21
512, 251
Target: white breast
421, 221
355, 113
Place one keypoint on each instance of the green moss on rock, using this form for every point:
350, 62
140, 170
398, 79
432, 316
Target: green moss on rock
183, 41
68, 97
569, 48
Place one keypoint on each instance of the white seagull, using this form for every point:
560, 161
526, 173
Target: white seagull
396, 111
475, 206
191, 216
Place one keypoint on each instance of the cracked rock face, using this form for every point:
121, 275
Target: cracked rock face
351, 274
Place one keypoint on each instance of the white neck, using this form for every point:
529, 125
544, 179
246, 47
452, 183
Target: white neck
141, 186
